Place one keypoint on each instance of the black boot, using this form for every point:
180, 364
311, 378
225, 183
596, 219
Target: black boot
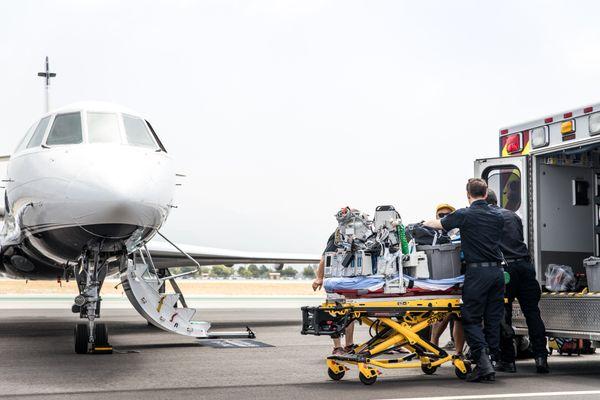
504, 366
541, 365
484, 371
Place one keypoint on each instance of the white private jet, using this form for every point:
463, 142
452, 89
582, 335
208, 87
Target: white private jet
87, 188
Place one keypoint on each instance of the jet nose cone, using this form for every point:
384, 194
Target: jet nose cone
116, 196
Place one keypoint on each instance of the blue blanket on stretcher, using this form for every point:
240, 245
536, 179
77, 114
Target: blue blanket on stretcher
375, 283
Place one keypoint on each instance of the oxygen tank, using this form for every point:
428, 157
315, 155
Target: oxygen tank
402, 235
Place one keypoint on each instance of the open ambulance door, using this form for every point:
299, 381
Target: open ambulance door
509, 178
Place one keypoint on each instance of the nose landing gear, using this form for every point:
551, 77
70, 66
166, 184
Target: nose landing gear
100, 344
91, 336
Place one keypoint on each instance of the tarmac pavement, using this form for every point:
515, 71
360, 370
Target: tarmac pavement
38, 361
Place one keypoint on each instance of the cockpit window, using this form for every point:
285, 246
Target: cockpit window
137, 132
162, 147
26, 138
65, 130
103, 128
38, 135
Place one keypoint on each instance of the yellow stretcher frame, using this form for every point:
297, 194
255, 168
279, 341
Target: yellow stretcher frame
396, 324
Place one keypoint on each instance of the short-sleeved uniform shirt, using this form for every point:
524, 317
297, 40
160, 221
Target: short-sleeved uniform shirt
512, 244
480, 231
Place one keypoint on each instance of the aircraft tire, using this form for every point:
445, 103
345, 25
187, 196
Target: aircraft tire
82, 335
101, 335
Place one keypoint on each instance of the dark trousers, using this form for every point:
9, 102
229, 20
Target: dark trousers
483, 308
524, 287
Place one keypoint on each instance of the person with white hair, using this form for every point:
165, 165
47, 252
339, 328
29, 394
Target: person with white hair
318, 284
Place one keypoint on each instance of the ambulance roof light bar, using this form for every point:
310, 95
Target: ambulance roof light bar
548, 120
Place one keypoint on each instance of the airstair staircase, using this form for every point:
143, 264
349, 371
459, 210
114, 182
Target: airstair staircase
145, 287
145, 290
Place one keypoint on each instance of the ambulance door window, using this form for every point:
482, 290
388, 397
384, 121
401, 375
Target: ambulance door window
506, 182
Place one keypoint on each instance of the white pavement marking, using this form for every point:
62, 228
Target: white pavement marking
505, 395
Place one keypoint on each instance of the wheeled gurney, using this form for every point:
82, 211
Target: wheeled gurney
394, 324
375, 277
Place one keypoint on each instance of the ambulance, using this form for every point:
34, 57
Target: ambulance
548, 172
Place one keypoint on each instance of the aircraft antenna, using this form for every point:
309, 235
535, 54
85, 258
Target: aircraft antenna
47, 75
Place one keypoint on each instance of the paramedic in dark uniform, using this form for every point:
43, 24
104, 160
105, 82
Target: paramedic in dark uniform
522, 286
483, 291
338, 350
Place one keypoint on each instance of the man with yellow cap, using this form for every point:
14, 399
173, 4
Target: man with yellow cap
441, 211
438, 329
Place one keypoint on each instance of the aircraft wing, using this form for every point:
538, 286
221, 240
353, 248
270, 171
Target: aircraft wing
165, 255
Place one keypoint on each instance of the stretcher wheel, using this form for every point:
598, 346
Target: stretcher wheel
463, 375
365, 380
336, 376
428, 369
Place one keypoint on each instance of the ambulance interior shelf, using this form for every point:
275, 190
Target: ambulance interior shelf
584, 157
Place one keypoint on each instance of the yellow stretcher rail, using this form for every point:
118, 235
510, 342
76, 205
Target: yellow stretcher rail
393, 324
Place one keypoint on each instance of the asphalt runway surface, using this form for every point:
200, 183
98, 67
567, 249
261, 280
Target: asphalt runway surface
38, 362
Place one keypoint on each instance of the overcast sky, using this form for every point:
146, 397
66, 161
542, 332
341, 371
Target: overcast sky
280, 112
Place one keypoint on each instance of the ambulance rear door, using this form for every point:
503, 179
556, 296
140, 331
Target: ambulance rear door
509, 177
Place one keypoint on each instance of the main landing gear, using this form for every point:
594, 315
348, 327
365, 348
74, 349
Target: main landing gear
90, 337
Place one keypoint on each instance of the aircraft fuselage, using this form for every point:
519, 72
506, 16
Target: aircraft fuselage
62, 199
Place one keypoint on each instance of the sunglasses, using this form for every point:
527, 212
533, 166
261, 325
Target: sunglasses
442, 215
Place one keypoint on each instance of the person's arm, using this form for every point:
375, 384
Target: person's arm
318, 282
451, 221
433, 223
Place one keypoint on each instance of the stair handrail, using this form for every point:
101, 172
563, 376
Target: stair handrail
198, 266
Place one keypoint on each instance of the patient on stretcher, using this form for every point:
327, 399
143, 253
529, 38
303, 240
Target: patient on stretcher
370, 256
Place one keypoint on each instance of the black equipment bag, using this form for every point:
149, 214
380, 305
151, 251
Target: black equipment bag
320, 322
425, 235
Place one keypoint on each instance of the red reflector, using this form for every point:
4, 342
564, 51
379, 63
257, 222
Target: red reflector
513, 143
568, 115
588, 109
548, 120
504, 131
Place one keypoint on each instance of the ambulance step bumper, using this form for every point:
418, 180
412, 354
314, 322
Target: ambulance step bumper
569, 315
